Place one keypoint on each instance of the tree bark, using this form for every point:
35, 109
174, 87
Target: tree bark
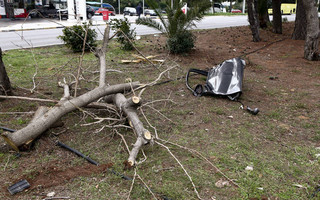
277, 19
263, 14
128, 107
101, 54
5, 86
42, 123
300, 27
253, 19
311, 47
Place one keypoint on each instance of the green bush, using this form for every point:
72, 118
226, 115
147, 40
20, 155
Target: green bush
182, 42
123, 27
73, 37
175, 24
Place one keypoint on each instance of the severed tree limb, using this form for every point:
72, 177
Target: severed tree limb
101, 54
37, 127
66, 89
128, 107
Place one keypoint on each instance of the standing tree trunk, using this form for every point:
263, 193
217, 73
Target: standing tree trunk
263, 13
5, 86
311, 51
300, 27
253, 19
230, 6
277, 19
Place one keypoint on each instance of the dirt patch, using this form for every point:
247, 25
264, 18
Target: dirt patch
52, 175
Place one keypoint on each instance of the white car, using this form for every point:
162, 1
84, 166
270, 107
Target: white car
129, 11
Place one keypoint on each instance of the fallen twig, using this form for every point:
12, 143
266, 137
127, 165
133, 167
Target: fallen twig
203, 157
134, 177
154, 196
185, 171
28, 98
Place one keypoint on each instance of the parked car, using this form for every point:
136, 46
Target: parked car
236, 11
64, 13
129, 11
150, 12
218, 7
101, 10
45, 11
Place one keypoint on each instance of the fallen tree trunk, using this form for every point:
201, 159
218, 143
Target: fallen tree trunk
38, 126
128, 107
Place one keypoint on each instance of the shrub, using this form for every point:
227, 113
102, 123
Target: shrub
182, 42
124, 27
175, 25
73, 37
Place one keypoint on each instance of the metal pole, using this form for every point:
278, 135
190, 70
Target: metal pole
143, 7
119, 6
243, 6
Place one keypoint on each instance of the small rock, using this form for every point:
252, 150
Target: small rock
221, 183
292, 90
249, 168
51, 194
317, 155
231, 117
260, 188
317, 148
206, 129
234, 50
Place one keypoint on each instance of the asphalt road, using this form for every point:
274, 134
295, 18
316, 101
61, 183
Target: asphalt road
47, 37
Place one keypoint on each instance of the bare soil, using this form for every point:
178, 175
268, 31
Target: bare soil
278, 80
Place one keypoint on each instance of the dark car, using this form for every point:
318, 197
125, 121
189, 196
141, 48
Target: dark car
45, 11
64, 13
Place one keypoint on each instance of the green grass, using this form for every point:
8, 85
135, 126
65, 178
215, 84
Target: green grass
277, 143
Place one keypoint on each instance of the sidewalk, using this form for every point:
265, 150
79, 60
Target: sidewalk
7, 25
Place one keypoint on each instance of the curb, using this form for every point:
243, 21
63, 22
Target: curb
51, 27
43, 28
30, 29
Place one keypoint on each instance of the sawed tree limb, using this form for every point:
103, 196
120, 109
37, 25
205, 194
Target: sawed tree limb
38, 126
128, 107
